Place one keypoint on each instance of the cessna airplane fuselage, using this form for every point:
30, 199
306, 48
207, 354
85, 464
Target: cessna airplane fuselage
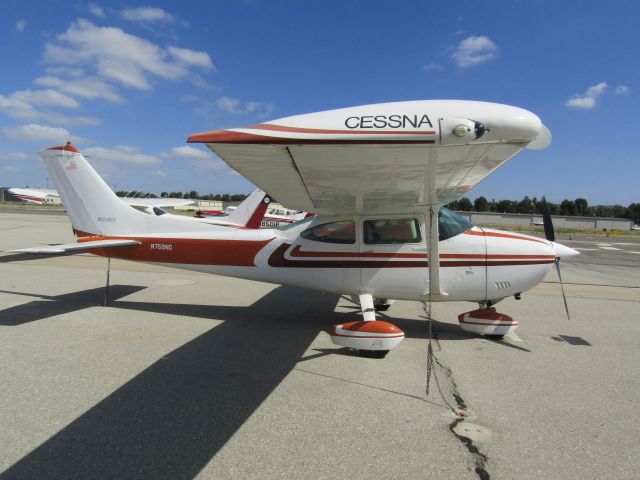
376, 176
385, 256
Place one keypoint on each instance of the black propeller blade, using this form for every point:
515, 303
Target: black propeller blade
546, 219
551, 236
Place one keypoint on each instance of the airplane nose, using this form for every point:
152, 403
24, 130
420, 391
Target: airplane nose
563, 252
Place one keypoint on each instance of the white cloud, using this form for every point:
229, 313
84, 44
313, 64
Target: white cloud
21, 25
41, 133
88, 87
9, 168
588, 100
622, 90
233, 105
191, 57
121, 154
62, 119
48, 97
432, 67
122, 57
159, 173
189, 152
13, 156
25, 105
71, 72
147, 14
96, 10
474, 51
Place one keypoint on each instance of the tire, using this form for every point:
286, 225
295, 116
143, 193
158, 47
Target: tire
381, 307
373, 353
495, 337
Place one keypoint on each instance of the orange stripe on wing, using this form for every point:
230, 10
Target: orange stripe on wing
282, 128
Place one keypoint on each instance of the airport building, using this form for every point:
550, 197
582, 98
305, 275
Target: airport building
559, 221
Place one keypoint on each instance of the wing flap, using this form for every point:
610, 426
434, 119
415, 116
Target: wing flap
334, 179
77, 247
269, 166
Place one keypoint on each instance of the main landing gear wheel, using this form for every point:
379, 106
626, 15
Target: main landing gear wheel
371, 338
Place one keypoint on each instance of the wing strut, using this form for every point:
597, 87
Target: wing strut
433, 251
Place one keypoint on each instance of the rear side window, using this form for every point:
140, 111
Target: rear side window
392, 230
334, 232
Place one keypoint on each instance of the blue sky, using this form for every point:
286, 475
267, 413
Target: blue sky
128, 82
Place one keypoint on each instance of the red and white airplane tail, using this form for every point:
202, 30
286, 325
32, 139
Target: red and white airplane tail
94, 209
92, 206
249, 213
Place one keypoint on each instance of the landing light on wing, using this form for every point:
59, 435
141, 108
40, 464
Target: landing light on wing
542, 141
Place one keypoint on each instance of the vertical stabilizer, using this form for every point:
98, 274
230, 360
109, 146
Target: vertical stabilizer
92, 206
251, 211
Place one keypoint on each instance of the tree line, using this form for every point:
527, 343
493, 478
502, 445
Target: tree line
192, 195
578, 207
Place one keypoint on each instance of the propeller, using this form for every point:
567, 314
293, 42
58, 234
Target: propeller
551, 236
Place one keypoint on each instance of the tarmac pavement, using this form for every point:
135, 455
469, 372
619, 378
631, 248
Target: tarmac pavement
187, 375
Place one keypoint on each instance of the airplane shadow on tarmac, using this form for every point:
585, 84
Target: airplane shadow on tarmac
47, 306
169, 421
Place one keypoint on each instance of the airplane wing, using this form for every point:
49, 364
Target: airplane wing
158, 202
77, 247
378, 158
33, 195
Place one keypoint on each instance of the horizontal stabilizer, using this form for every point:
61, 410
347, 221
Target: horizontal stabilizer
77, 247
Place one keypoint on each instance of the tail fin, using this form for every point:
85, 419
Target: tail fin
251, 211
92, 206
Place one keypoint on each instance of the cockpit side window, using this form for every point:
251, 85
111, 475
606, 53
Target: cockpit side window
392, 230
335, 232
451, 224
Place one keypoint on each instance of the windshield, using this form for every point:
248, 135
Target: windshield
289, 226
451, 224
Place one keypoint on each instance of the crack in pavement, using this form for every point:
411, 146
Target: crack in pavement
480, 459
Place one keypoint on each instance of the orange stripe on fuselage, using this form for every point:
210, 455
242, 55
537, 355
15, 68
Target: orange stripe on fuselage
503, 235
192, 251
297, 252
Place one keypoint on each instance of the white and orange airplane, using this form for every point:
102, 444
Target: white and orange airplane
272, 218
38, 196
377, 177
249, 214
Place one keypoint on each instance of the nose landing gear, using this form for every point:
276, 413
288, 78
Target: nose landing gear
486, 321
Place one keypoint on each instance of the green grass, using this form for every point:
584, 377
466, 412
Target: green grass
591, 232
